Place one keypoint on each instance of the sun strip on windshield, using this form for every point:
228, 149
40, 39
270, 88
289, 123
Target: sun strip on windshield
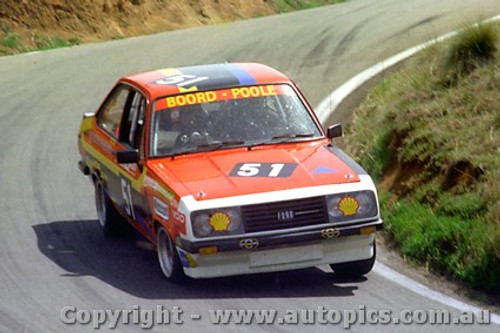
219, 95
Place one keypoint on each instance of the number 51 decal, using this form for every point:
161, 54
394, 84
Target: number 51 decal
185, 82
127, 197
272, 170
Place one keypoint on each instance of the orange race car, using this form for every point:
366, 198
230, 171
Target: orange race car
226, 170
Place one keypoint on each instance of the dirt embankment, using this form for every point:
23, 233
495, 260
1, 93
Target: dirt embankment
25, 22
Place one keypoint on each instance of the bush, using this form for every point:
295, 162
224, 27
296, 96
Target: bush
474, 45
11, 41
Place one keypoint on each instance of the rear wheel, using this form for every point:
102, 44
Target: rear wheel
108, 216
355, 269
167, 256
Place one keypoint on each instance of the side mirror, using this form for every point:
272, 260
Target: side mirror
127, 156
335, 131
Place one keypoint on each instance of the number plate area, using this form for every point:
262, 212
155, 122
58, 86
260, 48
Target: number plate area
286, 255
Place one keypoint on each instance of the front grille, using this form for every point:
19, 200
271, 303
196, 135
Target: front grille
285, 214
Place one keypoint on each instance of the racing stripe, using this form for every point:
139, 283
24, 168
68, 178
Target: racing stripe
117, 170
347, 160
244, 77
218, 76
169, 71
196, 78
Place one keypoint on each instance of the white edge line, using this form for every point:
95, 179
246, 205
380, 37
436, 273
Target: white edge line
328, 106
422, 290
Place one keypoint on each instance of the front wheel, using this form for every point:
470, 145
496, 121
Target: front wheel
355, 269
167, 256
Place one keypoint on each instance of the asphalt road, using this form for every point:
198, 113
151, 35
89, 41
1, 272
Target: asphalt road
52, 253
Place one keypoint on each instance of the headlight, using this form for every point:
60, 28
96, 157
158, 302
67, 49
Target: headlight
201, 226
333, 207
217, 222
351, 206
366, 203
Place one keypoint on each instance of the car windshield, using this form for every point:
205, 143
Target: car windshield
242, 116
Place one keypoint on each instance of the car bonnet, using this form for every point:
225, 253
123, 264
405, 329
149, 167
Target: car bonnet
240, 171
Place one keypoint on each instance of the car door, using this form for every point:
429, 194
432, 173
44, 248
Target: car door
120, 127
132, 175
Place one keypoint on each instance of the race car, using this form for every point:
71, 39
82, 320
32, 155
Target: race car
226, 170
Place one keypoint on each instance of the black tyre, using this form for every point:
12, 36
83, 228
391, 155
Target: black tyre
168, 257
109, 218
355, 269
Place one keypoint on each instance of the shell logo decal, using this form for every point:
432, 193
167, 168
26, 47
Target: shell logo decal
220, 221
348, 206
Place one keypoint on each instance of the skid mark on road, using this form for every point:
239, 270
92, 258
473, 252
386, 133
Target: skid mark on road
328, 105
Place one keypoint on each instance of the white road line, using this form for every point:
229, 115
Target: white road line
328, 106
422, 290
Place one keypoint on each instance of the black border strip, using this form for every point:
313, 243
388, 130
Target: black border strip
288, 238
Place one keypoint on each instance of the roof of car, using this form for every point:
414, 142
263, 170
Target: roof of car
172, 81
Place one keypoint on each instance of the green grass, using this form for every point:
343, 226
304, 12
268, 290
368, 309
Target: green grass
74, 41
11, 41
45, 43
13, 44
466, 248
438, 120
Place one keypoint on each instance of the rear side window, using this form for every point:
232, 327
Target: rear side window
111, 114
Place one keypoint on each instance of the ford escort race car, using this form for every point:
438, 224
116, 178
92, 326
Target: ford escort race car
226, 170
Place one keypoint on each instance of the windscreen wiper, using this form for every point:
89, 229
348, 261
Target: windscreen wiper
208, 147
219, 144
282, 139
293, 136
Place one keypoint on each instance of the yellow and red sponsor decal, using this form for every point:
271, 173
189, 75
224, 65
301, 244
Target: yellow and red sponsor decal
179, 220
219, 95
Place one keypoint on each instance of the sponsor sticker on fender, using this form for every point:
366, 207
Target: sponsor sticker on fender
161, 208
179, 220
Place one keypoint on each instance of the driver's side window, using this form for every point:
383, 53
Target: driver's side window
109, 117
122, 116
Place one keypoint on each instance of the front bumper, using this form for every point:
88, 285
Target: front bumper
277, 252
240, 262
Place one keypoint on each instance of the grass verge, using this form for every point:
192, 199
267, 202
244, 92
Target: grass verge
430, 135
12, 44
28, 40
284, 6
